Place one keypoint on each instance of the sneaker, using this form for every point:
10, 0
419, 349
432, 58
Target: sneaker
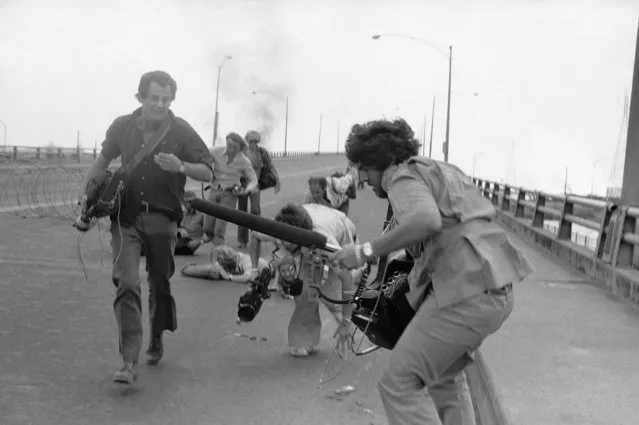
127, 375
155, 351
303, 351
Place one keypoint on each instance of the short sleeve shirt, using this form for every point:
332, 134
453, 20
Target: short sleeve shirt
162, 190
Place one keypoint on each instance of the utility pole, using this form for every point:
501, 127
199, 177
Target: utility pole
629, 186
337, 149
217, 95
450, 73
566, 183
286, 130
319, 136
432, 125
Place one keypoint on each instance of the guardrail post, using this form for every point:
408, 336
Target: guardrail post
505, 201
95, 154
564, 231
605, 230
538, 215
38, 153
520, 208
622, 252
14, 154
486, 189
495, 197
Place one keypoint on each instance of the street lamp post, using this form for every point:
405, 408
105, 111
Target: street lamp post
285, 99
432, 125
217, 95
319, 136
5, 134
449, 56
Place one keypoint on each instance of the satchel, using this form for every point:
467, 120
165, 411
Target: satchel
267, 178
105, 194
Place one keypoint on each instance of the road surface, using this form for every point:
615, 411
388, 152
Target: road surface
567, 355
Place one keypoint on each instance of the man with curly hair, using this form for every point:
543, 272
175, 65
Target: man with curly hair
461, 285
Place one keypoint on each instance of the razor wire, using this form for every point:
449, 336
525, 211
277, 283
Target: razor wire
48, 191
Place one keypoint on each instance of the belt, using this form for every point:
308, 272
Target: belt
147, 208
500, 291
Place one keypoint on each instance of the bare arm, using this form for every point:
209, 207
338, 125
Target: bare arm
199, 172
348, 290
251, 177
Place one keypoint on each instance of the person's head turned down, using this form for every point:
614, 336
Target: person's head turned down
294, 215
376, 145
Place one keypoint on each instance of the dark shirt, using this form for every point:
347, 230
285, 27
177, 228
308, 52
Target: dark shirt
162, 191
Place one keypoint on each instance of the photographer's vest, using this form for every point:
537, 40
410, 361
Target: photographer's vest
470, 253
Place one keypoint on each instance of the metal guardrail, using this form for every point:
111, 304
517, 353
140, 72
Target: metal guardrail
54, 155
617, 225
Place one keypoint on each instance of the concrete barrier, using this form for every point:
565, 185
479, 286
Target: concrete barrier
623, 282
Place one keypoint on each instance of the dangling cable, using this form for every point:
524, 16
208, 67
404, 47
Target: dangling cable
350, 339
79, 251
116, 258
101, 246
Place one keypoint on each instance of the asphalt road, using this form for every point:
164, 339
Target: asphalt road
566, 356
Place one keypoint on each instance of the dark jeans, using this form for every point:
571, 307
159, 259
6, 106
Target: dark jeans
157, 234
181, 248
242, 205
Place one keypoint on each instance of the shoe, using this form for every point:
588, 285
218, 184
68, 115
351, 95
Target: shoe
303, 351
127, 375
155, 351
241, 245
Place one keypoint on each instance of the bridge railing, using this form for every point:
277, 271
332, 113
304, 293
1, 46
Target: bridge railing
616, 226
57, 155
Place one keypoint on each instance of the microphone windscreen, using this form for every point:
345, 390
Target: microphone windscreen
283, 231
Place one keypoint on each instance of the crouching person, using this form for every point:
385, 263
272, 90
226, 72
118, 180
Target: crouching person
191, 229
295, 267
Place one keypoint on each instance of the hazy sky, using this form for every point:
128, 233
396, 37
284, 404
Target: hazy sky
551, 75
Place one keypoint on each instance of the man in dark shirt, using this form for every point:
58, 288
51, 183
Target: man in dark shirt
150, 211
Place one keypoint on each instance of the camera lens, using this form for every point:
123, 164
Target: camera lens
246, 313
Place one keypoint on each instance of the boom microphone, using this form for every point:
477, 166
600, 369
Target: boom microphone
283, 231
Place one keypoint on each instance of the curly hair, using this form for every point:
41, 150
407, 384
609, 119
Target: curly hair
225, 256
295, 215
252, 135
381, 143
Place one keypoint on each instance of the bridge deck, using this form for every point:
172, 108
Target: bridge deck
566, 356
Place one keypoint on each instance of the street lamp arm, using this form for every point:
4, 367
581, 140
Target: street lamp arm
420, 40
